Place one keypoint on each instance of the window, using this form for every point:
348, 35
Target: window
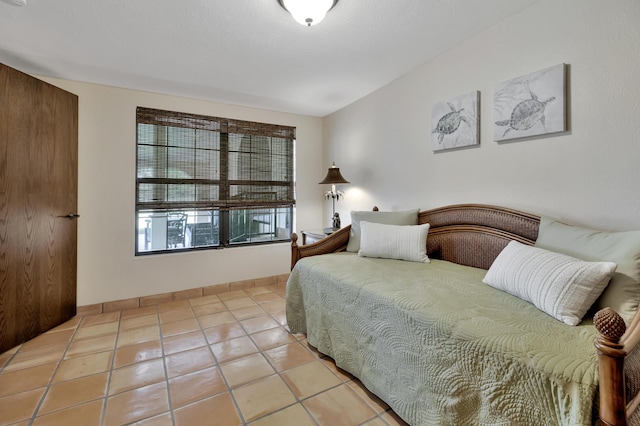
209, 182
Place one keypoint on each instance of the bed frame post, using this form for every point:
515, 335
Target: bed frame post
611, 356
294, 249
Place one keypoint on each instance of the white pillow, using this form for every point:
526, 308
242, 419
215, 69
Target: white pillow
405, 217
559, 285
404, 242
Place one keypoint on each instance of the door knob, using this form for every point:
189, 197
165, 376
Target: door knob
71, 216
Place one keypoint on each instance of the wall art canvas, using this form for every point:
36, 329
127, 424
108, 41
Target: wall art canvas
456, 123
530, 105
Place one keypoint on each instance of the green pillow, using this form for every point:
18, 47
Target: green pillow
623, 248
407, 217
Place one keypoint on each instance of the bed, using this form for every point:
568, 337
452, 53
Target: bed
441, 347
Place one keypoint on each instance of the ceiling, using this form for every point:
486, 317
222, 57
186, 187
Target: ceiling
241, 52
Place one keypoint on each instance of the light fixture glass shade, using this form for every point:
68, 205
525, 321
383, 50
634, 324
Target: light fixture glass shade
308, 12
18, 3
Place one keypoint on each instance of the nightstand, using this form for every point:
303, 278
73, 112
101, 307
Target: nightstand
313, 236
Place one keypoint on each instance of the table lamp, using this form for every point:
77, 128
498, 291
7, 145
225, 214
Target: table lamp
333, 177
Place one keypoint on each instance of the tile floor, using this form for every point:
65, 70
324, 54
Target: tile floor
226, 359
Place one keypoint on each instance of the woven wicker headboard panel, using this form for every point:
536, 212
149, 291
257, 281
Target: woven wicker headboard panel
474, 234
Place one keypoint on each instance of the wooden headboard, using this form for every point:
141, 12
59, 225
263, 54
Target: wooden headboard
474, 234
467, 234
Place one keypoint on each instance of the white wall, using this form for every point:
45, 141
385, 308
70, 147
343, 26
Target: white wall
588, 176
107, 267
382, 144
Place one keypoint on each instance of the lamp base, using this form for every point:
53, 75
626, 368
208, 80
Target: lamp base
329, 231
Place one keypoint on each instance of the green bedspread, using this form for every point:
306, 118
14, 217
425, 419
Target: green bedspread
441, 347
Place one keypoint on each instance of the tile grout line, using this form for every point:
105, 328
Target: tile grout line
217, 363
278, 373
34, 415
13, 355
261, 352
50, 384
166, 370
103, 412
162, 357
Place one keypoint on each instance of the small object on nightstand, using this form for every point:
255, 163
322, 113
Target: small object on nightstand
335, 224
315, 235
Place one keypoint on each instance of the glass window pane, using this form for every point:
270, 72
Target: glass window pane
162, 230
260, 225
204, 230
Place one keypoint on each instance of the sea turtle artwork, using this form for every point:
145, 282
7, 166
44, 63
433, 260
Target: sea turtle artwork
449, 122
526, 114
454, 123
531, 105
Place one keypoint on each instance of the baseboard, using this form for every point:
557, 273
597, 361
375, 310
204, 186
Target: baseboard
137, 302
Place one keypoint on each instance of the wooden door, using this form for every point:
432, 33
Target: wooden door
38, 188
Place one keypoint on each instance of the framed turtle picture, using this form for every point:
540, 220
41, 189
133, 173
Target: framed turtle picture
455, 123
531, 105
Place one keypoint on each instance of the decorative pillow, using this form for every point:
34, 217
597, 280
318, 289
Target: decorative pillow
403, 242
559, 285
623, 248
407, 217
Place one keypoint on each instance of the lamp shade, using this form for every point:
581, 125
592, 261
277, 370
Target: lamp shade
334, 176
308, 12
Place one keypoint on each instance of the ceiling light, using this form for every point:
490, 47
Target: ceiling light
308, 12
16, 2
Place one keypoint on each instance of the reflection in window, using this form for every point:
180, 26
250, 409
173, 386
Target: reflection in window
167, 230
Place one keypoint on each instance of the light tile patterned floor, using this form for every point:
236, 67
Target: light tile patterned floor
221, 360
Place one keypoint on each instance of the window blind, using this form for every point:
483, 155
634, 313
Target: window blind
190, 161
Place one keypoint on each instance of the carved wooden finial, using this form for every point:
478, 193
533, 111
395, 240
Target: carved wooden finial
609, 324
